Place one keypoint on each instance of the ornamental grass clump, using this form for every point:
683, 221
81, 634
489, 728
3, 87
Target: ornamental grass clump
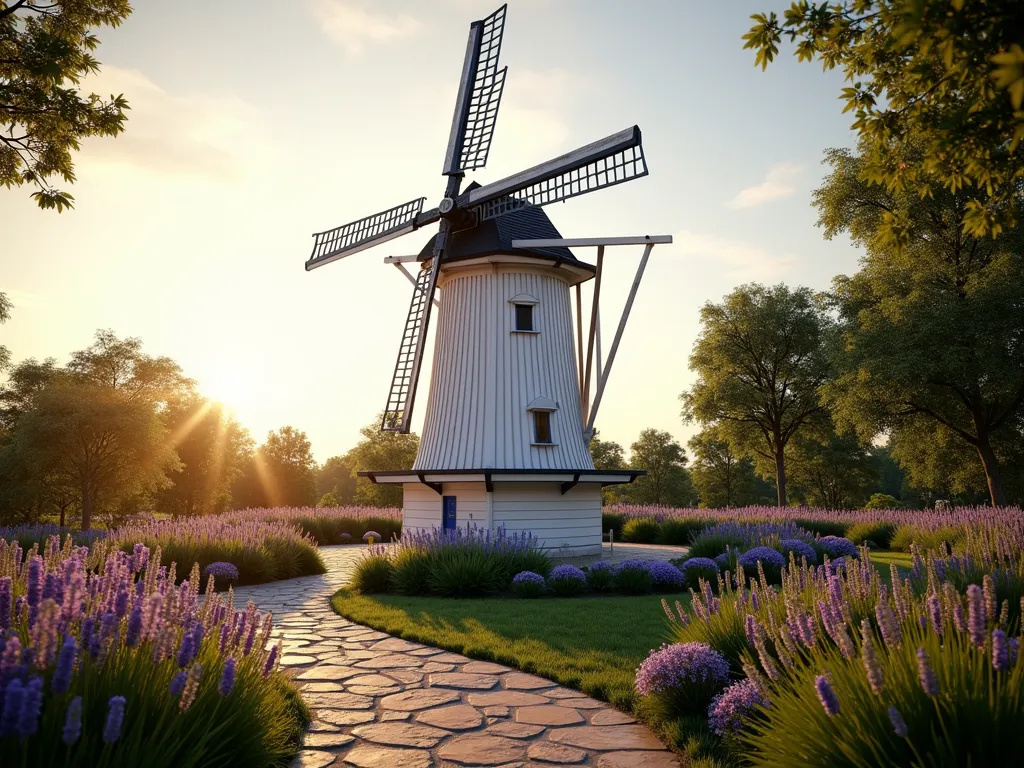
528, 584
567, 581
261, 551
681, 679
601, 576
328, 525
93, 642
373, 571
642, 530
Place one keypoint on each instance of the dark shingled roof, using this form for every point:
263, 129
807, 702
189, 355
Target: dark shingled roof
495, 236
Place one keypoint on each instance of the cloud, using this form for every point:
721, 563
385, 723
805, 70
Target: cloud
777, 184
174, 135
355, 27
736, 260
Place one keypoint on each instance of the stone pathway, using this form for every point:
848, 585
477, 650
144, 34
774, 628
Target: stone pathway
383, 702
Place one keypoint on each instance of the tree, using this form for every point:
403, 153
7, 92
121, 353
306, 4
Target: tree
931, 330
211, 447
606, 454
720, 477
666, 481
760, 360
120, 364
5, 315
833, 471
946, 74
25, 380
286, 468
381, 451
108, 446
335, 476
45, 50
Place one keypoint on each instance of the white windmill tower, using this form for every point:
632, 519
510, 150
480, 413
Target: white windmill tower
509, 413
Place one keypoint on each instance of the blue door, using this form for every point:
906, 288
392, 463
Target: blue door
448, 513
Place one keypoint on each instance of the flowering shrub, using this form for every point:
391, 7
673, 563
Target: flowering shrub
328, 525
633, 577
225, 573
723, 536
104, 658
731, 709
834, 546
528, 584
641, 530
681, 679
800, 550
696, 568
665, 577
601, 576
767, 556
567, 580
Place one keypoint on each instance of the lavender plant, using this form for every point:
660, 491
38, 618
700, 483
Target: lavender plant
93, 642
567, 580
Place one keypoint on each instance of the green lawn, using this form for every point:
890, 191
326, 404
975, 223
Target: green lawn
593, 644
882, 558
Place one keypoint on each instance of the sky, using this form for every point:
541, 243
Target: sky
251, 129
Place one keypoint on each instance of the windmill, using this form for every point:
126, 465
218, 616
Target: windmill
509, 414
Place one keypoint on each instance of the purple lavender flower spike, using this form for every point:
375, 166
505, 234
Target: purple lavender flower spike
5, 603
1012, 647
1000, 651
976, 615
134, 632
826, 695
185, 650
31, 706
958, 618
61, 680
268, 667
935, 613
12, 707
925, 673
899, 725
121, 601
225, 633
178, 683
751, 628
115, 719
227, 678
73, 722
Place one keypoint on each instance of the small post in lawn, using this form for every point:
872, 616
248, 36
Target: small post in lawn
611, 541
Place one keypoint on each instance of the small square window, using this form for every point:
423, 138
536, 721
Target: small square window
524, 317
542, 426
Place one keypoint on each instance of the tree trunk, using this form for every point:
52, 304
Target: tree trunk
780, 475
993, 472
86, 509
63, 508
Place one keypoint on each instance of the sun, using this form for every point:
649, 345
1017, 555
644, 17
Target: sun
227, 386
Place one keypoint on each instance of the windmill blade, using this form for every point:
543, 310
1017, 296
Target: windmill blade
356, 236
613, 160
480, 89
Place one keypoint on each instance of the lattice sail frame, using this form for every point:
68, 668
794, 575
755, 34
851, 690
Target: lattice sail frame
486, 95
623, 166
372, 229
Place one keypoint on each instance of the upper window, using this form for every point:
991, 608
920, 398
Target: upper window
542, 426
524, 317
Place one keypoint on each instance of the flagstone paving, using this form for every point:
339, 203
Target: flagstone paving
382, 702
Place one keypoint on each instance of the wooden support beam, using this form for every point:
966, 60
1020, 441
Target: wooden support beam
618, 335
582, 242
579, 337
590, 339
408, 275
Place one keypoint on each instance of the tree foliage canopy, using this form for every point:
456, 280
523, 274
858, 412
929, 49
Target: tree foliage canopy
760, 360
45, 51
932, 330
947, 74
720, 478
381, 451
664, 460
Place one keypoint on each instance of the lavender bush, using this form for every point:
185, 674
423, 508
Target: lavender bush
634, 577
681, 679
528, 584
601, 576
665, 577
567, 580
93, 642
696, 568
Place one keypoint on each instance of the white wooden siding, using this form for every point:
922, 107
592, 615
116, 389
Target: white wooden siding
572, 520
421, 508
484, 375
